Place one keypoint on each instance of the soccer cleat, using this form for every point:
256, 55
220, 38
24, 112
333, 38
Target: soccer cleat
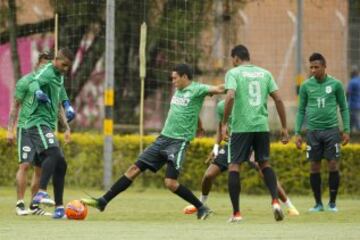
278, 213
36, 210
42, 198
317, 208
235, 218
203, 212
59, 213
292, 211
331, 207
190, 209
98, 203
20, 209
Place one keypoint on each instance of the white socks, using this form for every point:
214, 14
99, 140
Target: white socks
288, 203
203, 198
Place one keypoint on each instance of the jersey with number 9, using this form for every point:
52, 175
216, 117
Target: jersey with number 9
252, 86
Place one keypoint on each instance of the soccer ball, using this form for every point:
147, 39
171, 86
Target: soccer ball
76, 210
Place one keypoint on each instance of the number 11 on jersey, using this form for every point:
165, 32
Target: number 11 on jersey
321, 102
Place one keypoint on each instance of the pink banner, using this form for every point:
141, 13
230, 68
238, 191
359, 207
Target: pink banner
28, 47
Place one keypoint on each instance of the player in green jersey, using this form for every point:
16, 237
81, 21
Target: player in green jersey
169, 148
248, 87
219, 164
319, 97
20, 111
40, 126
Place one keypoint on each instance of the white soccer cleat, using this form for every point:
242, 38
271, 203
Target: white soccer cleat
235, 218
20, 209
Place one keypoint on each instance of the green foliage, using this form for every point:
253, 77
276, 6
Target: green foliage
85, 169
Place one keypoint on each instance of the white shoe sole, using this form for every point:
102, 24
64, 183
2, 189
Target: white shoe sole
47, 202
20, 212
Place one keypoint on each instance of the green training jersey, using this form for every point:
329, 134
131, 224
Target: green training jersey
25, 98
220, 113
183, 115
50, 81
252, 86
318, 101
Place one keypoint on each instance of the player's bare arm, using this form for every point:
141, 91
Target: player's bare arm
64, 123
229, 103
200, 132
14, 111
282, 115
218, 89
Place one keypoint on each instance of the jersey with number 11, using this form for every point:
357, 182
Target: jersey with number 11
318, 102
252, 86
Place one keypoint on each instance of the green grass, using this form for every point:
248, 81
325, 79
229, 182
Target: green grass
157, 214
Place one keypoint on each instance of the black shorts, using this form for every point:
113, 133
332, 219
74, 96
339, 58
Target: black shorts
42, 138
241, 145
222, 158
164, 150
26, 150
323, 144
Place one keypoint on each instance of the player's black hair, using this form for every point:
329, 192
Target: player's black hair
184, 69
66, 52
241, 52
47, 55
317, 57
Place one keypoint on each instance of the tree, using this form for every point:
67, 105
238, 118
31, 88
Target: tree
13, 38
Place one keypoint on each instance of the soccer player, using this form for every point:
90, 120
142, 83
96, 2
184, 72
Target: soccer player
318, 100
219, 164
27, 155
41, 123
248, 87
169, 148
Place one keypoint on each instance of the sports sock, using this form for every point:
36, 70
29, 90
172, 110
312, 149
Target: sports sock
203, 198
59, 181
52, 156
188, 196
288, 203
270, 181
20, 201
315, 182
334, 180
121, 185
234, 190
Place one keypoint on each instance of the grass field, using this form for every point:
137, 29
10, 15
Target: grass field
157, 214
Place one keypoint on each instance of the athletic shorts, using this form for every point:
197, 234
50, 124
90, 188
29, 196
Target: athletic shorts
26, 150
323, 144
242, 144
221, 159
164, 150
42, 138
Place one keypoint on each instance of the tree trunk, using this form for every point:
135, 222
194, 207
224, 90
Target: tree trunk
12, 35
